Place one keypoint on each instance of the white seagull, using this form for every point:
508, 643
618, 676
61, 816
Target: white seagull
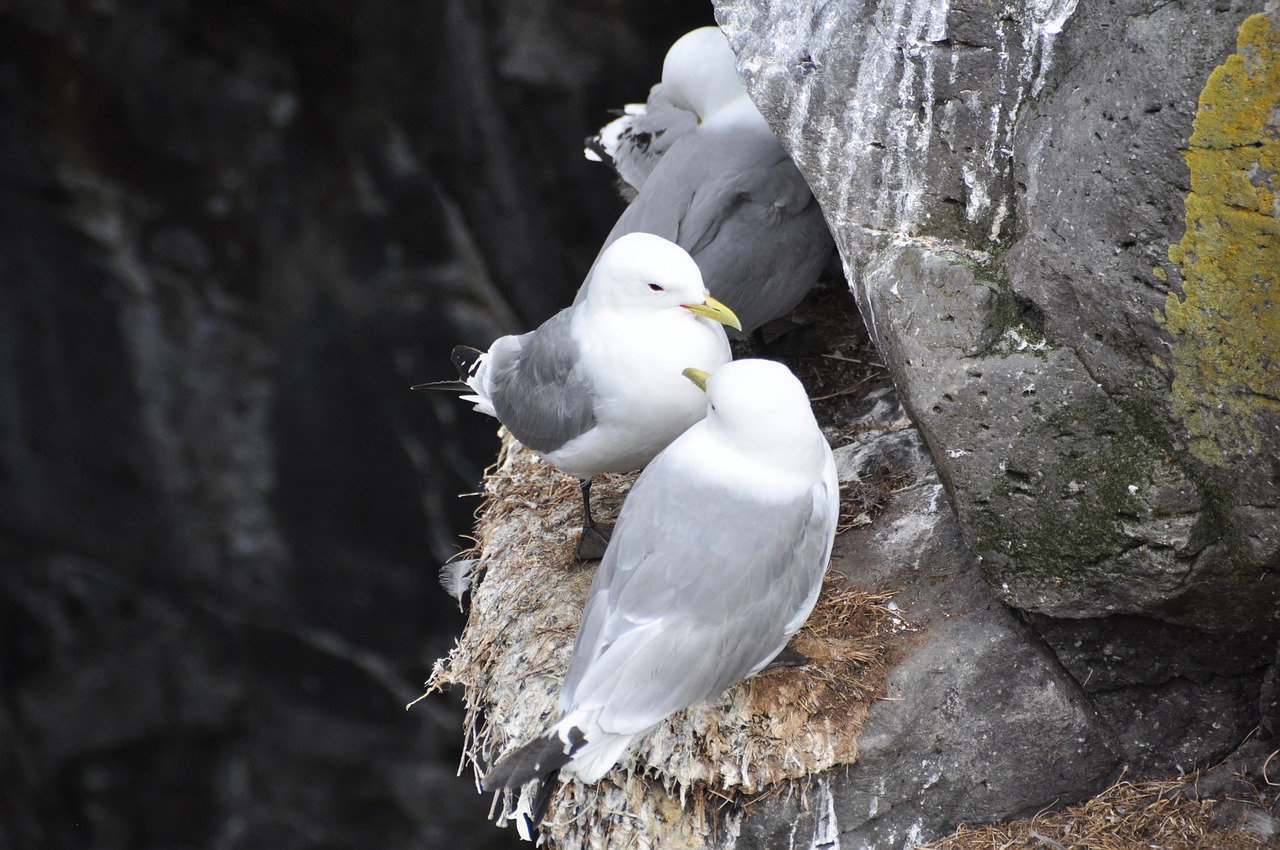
598, 386
716, 561
726, 191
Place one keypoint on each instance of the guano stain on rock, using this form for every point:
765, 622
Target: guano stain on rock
1225, 353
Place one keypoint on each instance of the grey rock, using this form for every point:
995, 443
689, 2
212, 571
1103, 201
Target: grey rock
978, 721
1001, 182
1026, 441
1175, 697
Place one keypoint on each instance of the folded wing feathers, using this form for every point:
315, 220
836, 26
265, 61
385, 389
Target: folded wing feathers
539, 757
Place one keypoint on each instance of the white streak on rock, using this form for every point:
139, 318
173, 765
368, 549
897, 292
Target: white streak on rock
1050, 16
894, 90
826, 828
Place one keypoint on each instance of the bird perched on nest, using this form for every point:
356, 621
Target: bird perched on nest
716, 561
598, 386
727, 192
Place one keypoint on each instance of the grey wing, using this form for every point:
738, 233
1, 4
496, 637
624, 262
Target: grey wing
539, 388
657, 210
759, 238
689, 166
741, 208
694, 594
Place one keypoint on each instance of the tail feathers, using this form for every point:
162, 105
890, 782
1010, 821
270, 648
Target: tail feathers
541, 756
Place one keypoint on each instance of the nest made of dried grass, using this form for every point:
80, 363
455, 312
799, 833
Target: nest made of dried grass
780, 727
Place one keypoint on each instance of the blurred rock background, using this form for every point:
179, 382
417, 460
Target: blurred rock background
232, 234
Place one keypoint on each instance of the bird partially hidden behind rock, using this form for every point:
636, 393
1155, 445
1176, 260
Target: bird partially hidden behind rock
716, 561
598, 386
725, 190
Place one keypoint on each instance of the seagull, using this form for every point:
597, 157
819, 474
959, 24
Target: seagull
598, 386
727, 192
716, 561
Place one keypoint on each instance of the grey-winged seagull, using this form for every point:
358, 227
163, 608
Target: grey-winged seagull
716, 561
727, 192
598, 386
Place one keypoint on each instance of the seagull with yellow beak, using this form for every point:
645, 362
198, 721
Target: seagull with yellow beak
724, 188
716, 561
598, 387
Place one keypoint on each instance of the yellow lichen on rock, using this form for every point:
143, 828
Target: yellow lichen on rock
1226, 326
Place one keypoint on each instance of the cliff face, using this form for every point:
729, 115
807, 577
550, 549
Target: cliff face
1059, 223
1084, 332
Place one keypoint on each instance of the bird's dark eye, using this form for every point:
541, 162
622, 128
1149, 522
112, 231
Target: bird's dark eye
656, 288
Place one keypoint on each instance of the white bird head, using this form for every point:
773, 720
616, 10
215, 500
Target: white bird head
699, 74
641, 271
758, 408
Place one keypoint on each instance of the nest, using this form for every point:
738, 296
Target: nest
695, 775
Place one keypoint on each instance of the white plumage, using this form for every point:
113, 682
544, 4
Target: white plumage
716, 561
597, 387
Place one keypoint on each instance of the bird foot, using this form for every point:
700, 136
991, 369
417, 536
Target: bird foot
592, 542
789, 657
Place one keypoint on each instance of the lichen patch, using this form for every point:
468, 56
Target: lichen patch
1225, 353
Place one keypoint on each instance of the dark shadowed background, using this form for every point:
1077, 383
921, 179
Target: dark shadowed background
232, 234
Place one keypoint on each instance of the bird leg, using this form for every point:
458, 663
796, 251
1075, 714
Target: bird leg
594, 538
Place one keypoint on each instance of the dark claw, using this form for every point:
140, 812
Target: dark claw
592, 542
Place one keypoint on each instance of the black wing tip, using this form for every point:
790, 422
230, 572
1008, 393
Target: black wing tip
542, 802
540, 758
596, 146
464, 358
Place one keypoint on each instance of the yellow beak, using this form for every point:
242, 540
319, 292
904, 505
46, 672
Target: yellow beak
713, 309
698, 377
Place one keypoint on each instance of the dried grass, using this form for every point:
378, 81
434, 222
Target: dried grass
1127, 816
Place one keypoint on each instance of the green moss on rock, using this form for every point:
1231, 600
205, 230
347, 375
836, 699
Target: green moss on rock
1226, 326
1079, 506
